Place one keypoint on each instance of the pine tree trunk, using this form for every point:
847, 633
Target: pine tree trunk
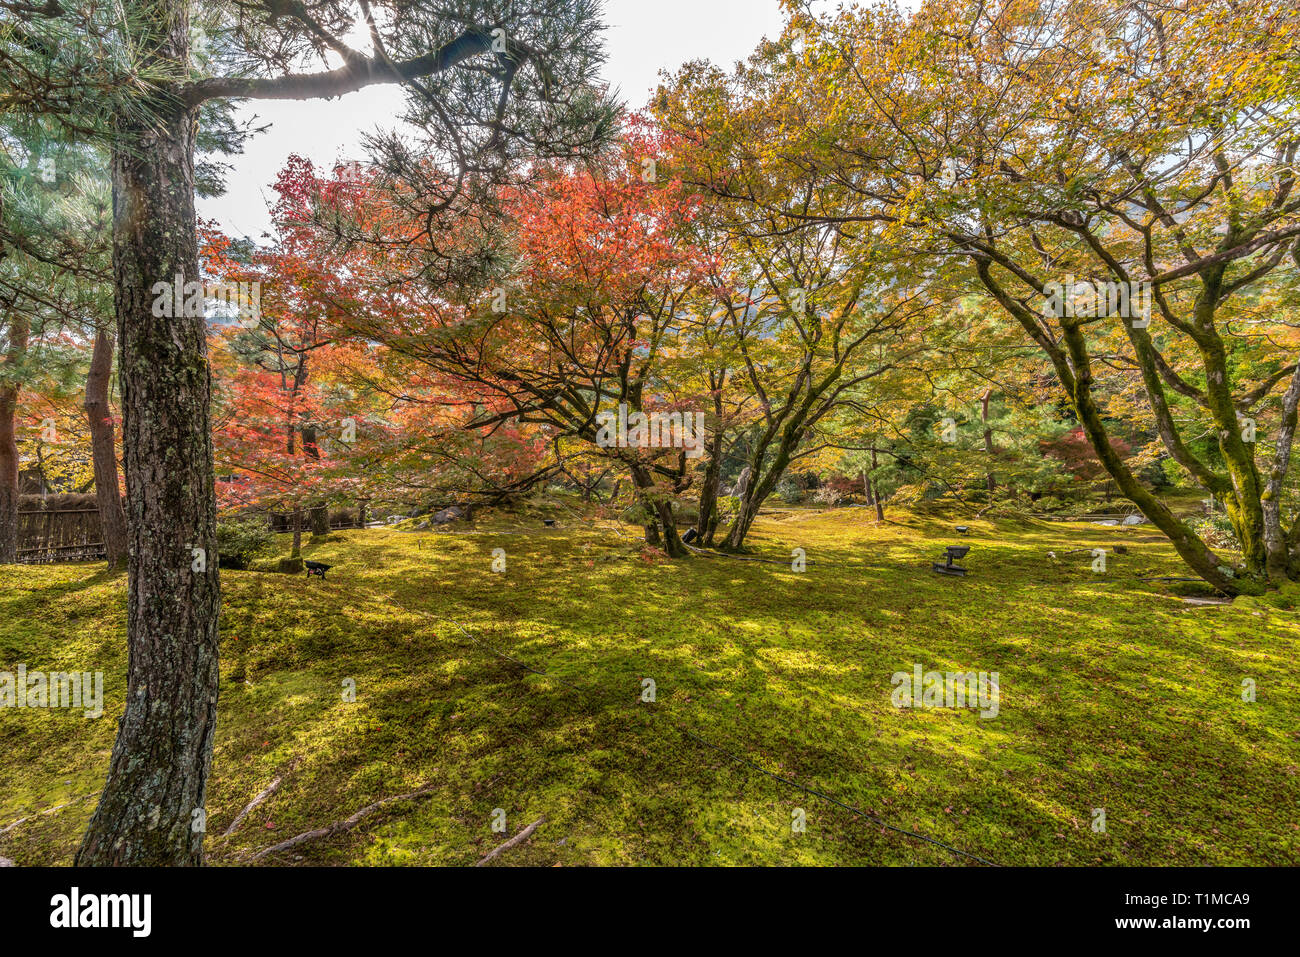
158, 773
8, 475
103, 450
18, 334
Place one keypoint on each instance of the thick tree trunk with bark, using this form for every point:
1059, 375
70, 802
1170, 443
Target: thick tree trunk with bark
664, 528
103, 449
157, 777
19, 331
8, 475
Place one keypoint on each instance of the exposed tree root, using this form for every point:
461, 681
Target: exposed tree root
265, 793
339, 826
519, 838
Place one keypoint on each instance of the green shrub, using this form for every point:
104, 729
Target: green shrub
239, 541
637, 514
1216, 531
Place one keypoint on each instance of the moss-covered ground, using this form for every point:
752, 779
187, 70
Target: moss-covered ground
1115, 694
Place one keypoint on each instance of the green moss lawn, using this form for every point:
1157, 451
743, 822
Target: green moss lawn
1115, 694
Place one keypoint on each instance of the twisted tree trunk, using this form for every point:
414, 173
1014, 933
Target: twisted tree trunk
662, 531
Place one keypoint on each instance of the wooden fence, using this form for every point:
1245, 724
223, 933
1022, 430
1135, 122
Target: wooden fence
71, 532
59, 535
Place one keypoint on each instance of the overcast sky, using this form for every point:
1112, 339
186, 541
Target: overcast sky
643, 37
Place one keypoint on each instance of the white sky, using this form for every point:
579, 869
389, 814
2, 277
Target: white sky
643, 37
